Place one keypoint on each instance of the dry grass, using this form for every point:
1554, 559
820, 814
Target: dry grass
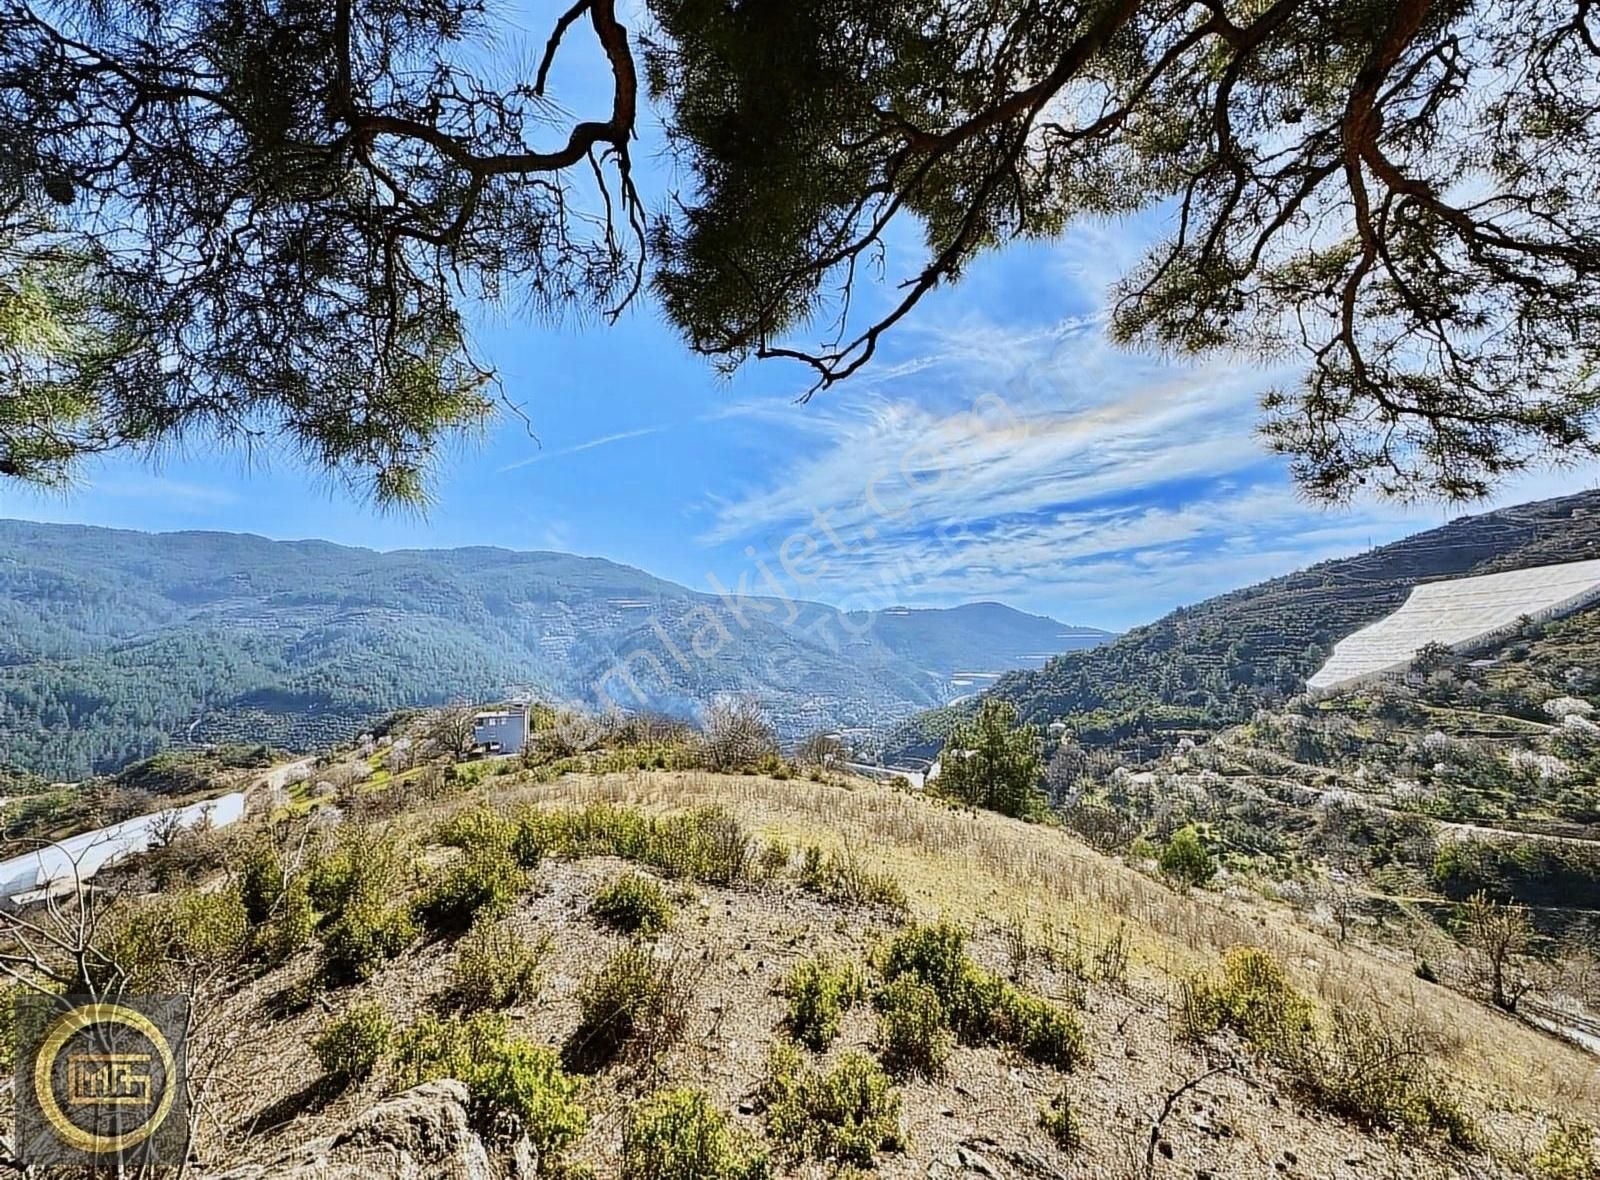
1039, 904
978, 867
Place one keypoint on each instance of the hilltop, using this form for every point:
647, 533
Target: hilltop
1204, 667
114, 644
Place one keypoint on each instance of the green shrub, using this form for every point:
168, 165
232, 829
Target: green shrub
158, 943
845, 879
773, 859
847, 1114
526, 1083
679, 1135
1252, 996
527, 844
979, 1006
634, 904
598, 829
819, 990
1568, 1153
360, 867
482, 884
494, 967
351, 1047
510, 1081
935, 955
263, 877
634, 1001
477, 827
707, 844
1186, 860
1040, 1030
365, 936
913, 1036
1060, 1122
1353, 1065
445, 1047
291, 926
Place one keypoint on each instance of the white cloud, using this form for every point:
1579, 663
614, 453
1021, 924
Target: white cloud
1043, 466
167, 491
602, 441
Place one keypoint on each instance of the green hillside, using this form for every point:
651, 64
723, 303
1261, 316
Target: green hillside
114, 644
1214, 664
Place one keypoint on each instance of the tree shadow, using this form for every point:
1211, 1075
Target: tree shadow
311, 1098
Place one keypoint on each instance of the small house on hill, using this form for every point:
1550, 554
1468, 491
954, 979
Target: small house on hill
500, 731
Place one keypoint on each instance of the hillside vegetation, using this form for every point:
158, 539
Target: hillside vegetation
658, 974
114, 644
1211, 665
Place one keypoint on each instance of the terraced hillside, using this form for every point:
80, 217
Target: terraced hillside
1207, 666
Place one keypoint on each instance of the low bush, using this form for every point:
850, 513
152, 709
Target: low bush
360, 866
445, 1047
1186, 860
979, 1006
263, 877
634, 1002
1252, 996
819, 990
158, 943
1378, 1077
517, 1087
773, 860
846, 1114
477, 827
913, 1035
706, 844
845, 879
1039, 1030
494, 967
366, 935
351, 1047
525, 1083
482, 884
1060, 1122
290, 927
1568, 1153
679, 1135
633, 904
1353, 1065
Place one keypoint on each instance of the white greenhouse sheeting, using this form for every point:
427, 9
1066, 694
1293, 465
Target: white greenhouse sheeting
53, 867
1461, 613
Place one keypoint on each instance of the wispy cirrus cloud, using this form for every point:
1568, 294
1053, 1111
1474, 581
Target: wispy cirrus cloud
603, 440
1040, 464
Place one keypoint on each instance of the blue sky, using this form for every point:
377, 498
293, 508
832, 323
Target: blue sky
998, 448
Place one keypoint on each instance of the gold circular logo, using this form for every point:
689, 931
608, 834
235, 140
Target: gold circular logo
61, 1031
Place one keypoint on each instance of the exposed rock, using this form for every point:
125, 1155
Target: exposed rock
422, 1134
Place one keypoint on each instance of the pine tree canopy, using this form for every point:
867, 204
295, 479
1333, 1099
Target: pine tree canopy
263, 219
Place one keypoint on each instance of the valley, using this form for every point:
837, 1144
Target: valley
1348, 933
114, 645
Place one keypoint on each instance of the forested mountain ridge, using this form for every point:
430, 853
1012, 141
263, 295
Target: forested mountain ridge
115, 643
1213, 664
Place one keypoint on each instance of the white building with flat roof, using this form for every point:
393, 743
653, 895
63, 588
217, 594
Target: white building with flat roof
1462, 614
501, 731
